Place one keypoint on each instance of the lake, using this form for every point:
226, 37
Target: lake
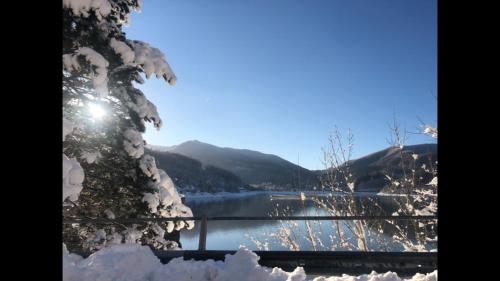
285, 235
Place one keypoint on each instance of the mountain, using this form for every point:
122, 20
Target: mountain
212, 168
370, 171
253, 167
190, 175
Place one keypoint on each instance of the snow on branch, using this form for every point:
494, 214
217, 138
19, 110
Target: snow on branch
153, 201
148, 167
125, 52
152, 61
166, 202
434, 181
72, 178
99, 75
67, 127
133, 143
430, 131
91, 156
145, 109
102, 8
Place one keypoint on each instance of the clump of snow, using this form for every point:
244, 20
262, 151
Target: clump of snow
431, 131
158, 240
99, 235
152, 61
67, 127
166, 189
91, 157
428, 210
132, 235
99, 75
133, 143
109, 214
102, 8
99, 239
135, 262
70, 62
139, 6
145, 109
434, 181
150, 113
147, 165
374, 276
153, 201
121, 48
73, 177
167, 202
115, 239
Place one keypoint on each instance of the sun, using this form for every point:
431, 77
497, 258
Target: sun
96, 110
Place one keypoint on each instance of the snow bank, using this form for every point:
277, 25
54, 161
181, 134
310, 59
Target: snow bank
119, 262
388, 276
72, 178
243, 265
70, 269
135, 262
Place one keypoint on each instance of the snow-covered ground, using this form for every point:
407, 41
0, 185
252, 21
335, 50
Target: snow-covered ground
127, 262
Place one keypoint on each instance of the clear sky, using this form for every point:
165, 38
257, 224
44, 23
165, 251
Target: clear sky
277, 76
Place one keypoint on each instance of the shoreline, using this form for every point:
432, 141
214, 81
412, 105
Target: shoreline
230, 195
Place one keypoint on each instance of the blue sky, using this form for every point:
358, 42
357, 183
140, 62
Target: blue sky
278, 76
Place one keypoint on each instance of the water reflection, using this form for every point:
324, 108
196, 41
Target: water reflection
269, 235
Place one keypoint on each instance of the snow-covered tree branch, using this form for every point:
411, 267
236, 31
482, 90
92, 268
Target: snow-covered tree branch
105, 171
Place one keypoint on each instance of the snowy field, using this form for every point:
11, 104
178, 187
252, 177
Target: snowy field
133, 262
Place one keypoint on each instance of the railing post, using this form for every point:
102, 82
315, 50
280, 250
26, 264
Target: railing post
202, 244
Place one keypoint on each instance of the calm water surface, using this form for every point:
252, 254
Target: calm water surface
229, 235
